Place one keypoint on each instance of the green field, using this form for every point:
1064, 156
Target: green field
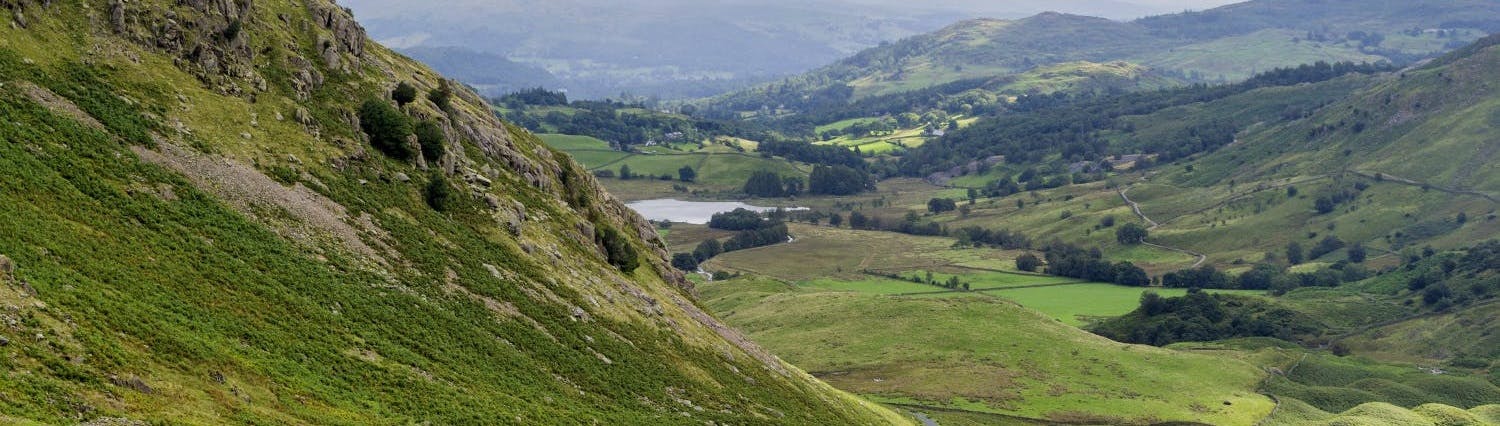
983, 355
721, 170
869, 286
1076, 304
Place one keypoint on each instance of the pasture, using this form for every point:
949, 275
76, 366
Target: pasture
981, 355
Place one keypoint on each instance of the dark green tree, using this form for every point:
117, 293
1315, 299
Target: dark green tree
687, 174
387, 128
1131, 234
617, 248
404, 94
1028, 262
765, 184
442, 96
1357, 253
941, 205
1294, 253
625, 173
430, 138
685, 261
707, 250
439, 193
1325, 205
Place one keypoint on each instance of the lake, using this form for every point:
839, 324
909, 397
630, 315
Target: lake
694, 212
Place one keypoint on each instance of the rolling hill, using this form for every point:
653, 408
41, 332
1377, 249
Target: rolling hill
1222, 44
212, 212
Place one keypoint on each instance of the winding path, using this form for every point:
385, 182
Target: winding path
1137, 209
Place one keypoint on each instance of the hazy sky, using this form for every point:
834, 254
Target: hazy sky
1115, 9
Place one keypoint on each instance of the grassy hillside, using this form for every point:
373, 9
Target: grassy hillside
197, 231
984, 355
1228, 43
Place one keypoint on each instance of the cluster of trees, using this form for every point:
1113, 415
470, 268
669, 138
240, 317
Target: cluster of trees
389, 131
624, 124
1269, 277
1067, 260
1070, 125
839, 180
753, 230
826, 155
768, 184
388, 128
825, 180
952, 283
941, 205
1328, 203
1131, 233
617, 248
737, 220
1445, 280
1296, 255
1003, 238
1202, 317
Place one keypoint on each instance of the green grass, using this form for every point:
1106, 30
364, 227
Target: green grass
720, 170
869, 286
982, 354
168, 298
1077, 304
1236, 58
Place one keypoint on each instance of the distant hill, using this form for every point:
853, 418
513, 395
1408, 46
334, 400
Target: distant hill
1222, 44
490, 74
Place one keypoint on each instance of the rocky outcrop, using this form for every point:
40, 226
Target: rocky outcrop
207, 38
19, 8
347, 36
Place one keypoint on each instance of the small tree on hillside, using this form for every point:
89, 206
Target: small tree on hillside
1028, 262
1294, 253
625, 173
687, 174
941, 205
1131, 234
685, 261
617, 248
387, 128
439, 194
442, 96
430, 138
404, 94
1357, 253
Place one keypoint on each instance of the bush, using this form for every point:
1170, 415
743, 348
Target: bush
387, 128
442, 97
941, 205
1357, 253
685, 261
737, 220
1131, 234
1028, 262
439, 193
404, 94
617, 249
707, 250
430, 138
